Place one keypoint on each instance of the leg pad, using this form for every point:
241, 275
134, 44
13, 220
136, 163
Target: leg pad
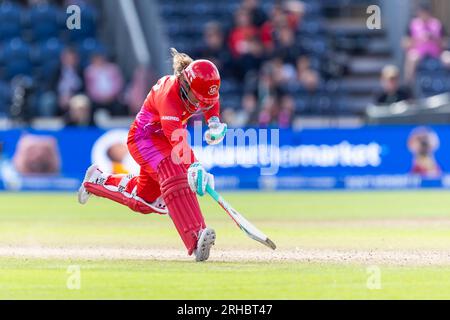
181, 202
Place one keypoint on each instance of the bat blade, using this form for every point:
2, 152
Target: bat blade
246, 226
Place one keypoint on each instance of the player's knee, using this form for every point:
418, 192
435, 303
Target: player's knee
172, 177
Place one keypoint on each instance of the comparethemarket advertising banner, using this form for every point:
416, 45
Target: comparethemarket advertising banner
386, 157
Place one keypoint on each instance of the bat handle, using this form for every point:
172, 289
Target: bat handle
213, 193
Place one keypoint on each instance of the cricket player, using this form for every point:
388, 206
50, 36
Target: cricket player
170, 176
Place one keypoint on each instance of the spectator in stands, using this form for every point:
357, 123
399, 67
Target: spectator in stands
277, 110
241, 33
79, 113
425, 39
308, 78
137, 90
214, 47
268, 112
247, 115
278, 19
68, 79
392, 90
252, 60
287, 48
283, 73
104, 85
295, 11
257, 14
286, 113
268, 102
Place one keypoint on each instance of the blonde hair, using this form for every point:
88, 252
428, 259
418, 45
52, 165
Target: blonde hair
180, 61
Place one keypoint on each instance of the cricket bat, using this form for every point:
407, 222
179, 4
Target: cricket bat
240, 221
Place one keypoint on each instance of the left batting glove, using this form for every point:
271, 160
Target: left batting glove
198, 179
216, 131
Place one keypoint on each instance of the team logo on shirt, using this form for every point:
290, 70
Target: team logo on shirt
212, 90
170, 118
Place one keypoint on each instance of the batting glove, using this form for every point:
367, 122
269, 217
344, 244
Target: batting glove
198, 179
216, 132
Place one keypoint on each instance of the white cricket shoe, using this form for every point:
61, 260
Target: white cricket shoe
95, 175
160, 204
205, 242
92, 174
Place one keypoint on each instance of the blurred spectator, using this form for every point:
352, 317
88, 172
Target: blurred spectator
68, 79
245, 116
251, 60
295, 11
278, 19
214, 47
425, 39
308, 78
277, 111
445, 58
268, 112
287, 48
286, 113
104, 85
257, 14
283, 73
241, 33
392, 91
79, 113
138, 89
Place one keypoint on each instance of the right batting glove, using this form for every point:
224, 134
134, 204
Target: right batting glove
198, 179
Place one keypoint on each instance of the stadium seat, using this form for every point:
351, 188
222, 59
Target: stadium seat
16, 57
88, 25
87, 47
10, 21
45, 21
5, 97
430, 64
49, 49
46, 58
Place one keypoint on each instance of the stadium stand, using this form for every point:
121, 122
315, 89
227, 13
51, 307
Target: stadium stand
299, 59
32, 38
310, 34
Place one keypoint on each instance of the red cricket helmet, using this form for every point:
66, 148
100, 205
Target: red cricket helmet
203, 80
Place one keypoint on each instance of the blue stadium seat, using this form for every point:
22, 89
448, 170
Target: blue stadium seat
232, 101
46, 58
10, 21
314, 45
88, 22
45, 21
5, 97
430, 64
88, 47
16, 57
48, 51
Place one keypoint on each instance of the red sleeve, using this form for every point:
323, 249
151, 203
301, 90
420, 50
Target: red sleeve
213, 112
176, 133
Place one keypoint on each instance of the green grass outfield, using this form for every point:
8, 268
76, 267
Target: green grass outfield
329, 244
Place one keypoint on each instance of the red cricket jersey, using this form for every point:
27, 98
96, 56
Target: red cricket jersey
165, 111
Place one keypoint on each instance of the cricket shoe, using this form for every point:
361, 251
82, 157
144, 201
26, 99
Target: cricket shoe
205, 242
93, 173
160, 205
95, 176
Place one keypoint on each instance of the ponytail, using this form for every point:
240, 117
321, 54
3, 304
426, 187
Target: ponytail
180, 61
